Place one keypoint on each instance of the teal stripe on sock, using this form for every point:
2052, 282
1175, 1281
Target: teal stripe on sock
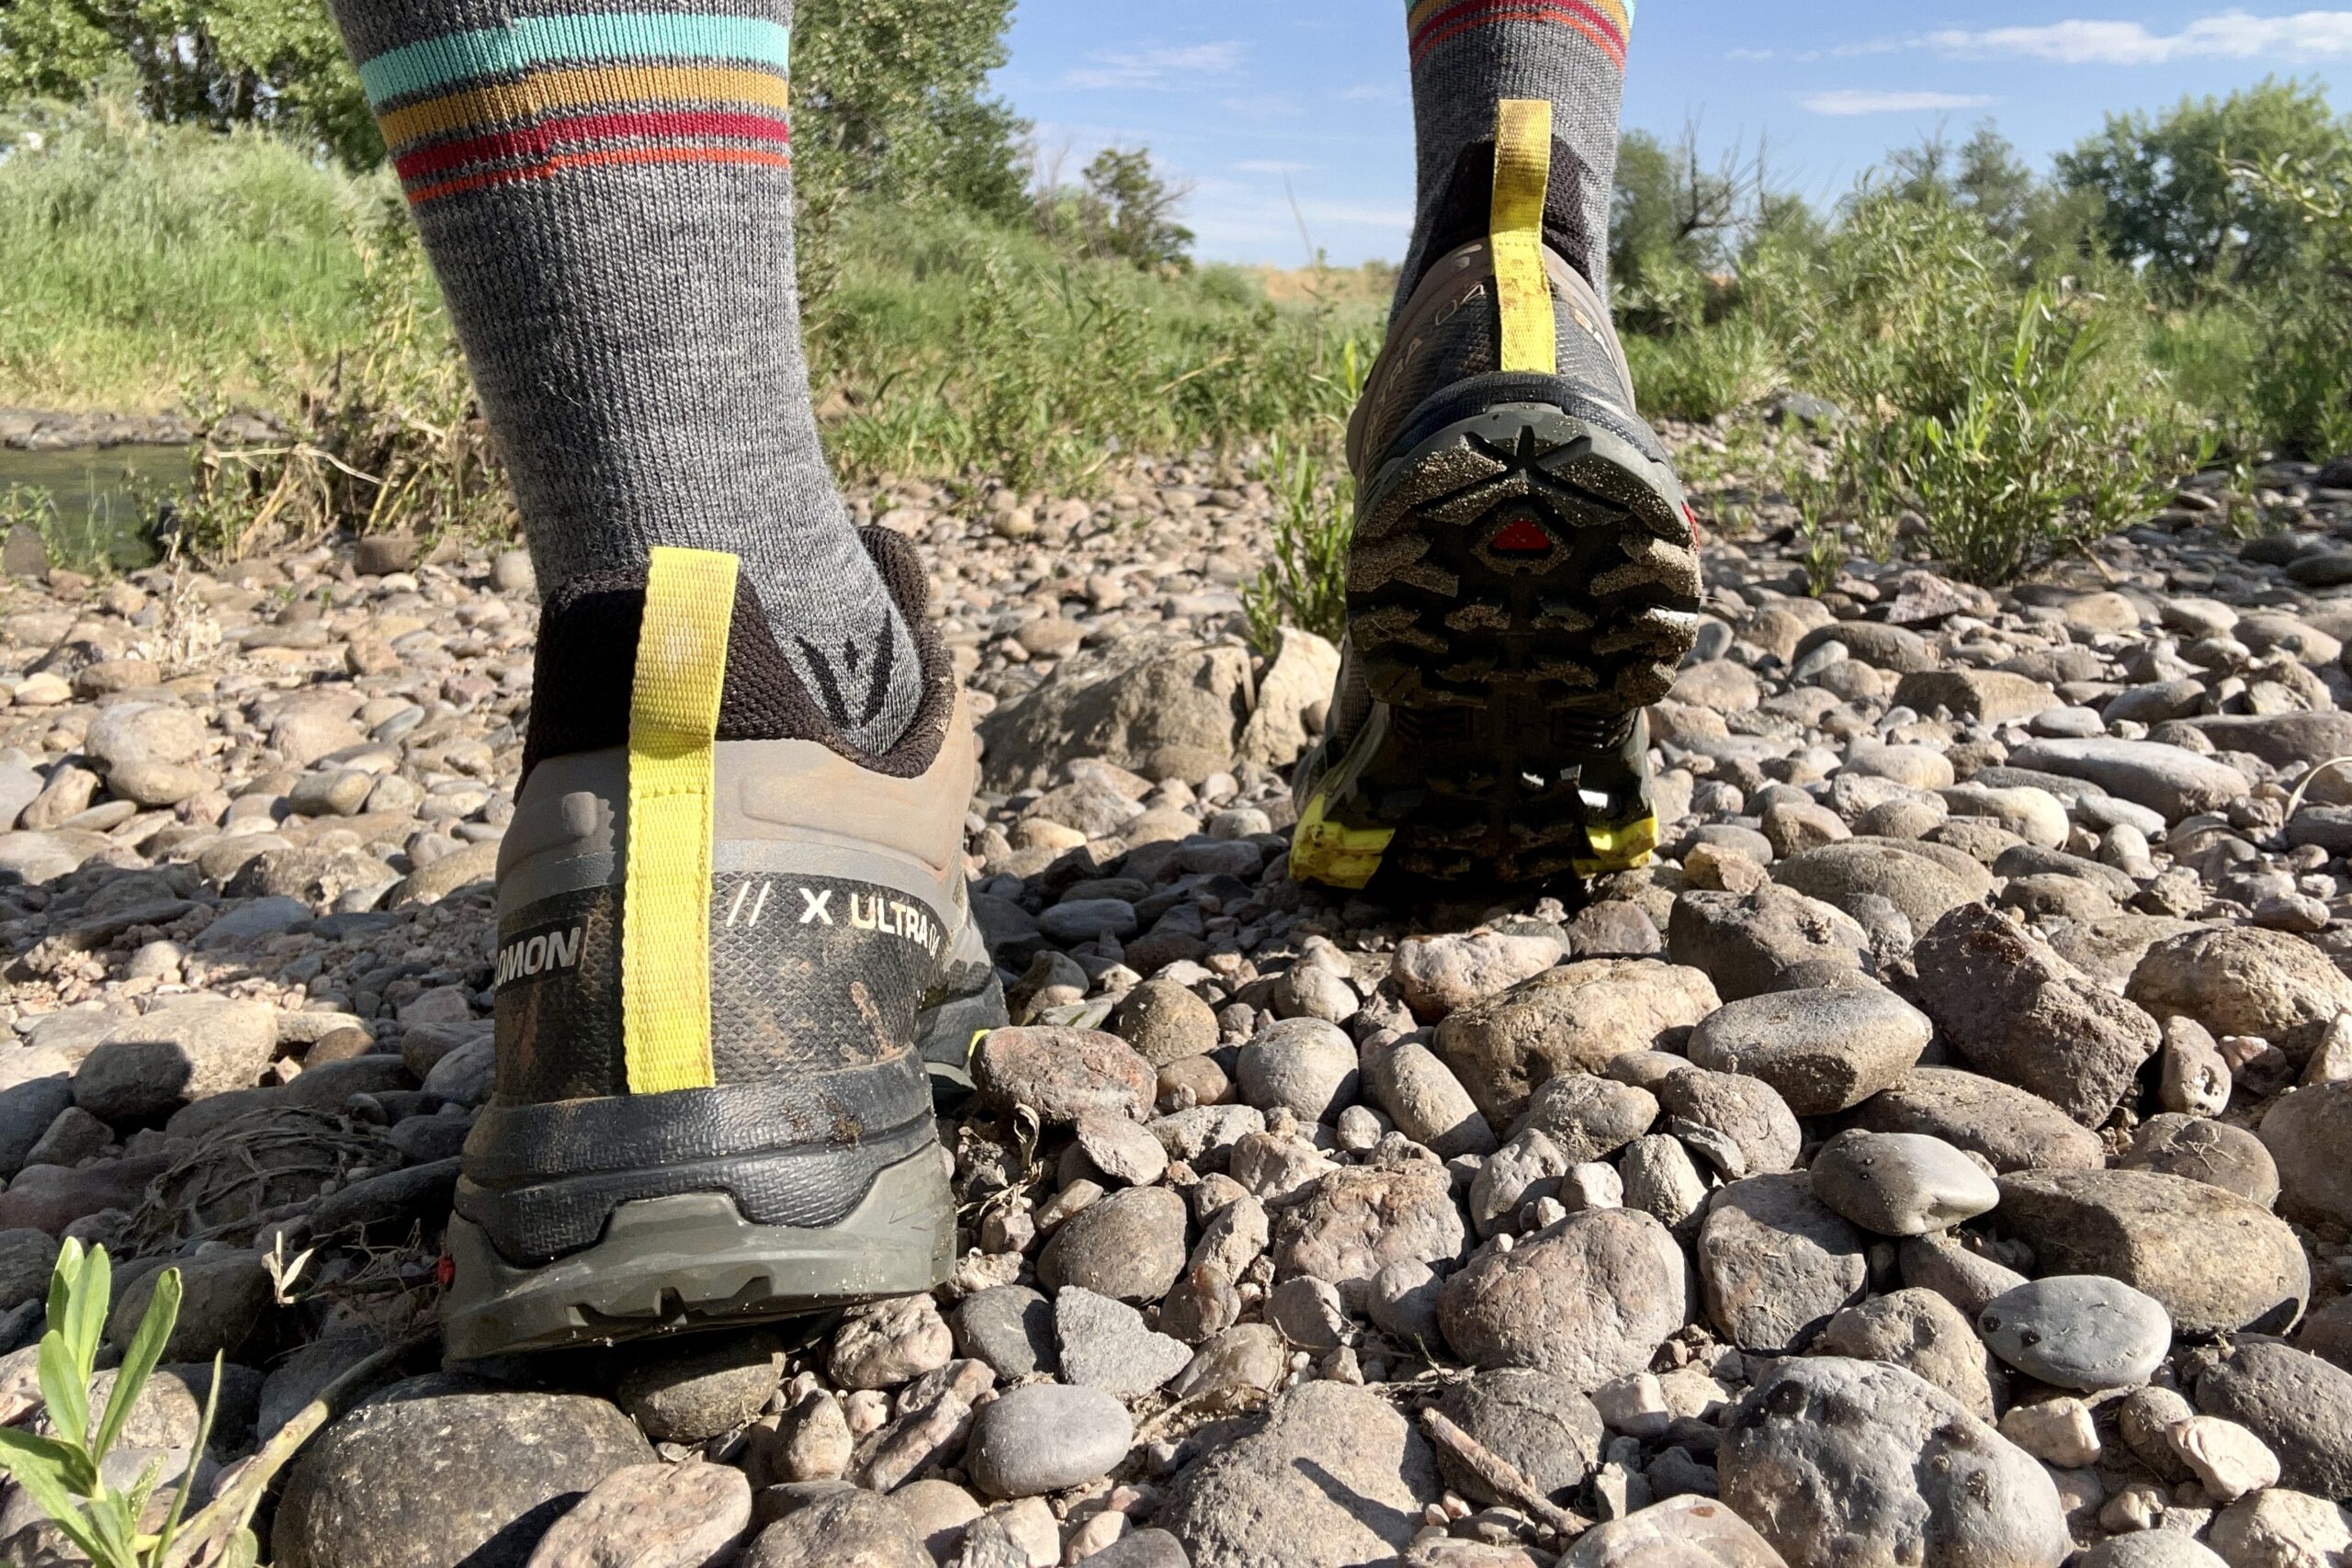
441, 62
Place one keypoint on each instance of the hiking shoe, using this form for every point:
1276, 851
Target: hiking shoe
1523, 578
727, 942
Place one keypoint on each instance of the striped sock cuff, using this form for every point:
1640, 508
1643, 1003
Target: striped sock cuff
1607, 23
496, 105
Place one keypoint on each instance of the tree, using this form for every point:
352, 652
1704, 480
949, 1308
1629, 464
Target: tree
889, 96
1121, 208
217, 62
2171, 202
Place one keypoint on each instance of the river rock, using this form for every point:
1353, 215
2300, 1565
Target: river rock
2015, 1130
652, 1515
1164, 706
1336, 1477
1921, 1332
2281, 1529
1576, 1018
1356, 1220
1541, 1425
1839, 1463
1689, 1531
2215, 1262
1043, 1437
1824, 1051
1748, 943
2018, 1011
2294, 1402
1777, 1263
1165, 1022
1588, 1300
145, 1068
2079, 1331
2245, 980
2308, 1135
1305, 1065
1063, 1073
1922, 886
1900, 1183
2205, 1150
2165, 779
1439, 974
700, 1387
491, 1470
846, 1529
1129, 1245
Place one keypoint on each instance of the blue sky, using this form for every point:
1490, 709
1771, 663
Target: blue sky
1236, 95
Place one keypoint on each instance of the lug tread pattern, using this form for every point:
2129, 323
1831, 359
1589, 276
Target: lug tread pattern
1510, 671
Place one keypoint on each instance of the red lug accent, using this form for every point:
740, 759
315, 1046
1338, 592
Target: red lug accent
1521, 537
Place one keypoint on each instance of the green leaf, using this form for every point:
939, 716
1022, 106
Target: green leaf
92, 1298
138, 1361
116, 1530
65, 1384
61, 1282
45, 1469
188, 1482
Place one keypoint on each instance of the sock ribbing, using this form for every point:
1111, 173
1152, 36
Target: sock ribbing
607, 198
1469, 55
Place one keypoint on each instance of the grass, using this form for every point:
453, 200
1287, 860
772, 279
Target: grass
137, 260
143, 266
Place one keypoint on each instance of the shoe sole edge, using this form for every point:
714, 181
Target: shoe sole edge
674, 1264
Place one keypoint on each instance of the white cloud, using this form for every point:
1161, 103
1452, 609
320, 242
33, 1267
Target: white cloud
1851, 101
2231, 35
1271, 167
1154, 68
1370, 93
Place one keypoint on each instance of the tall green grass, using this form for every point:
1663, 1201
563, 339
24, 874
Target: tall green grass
138, 260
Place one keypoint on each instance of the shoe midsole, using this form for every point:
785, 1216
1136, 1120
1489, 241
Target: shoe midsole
541, 1179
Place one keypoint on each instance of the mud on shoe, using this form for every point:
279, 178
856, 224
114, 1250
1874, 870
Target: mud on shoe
728, 941
1523, 578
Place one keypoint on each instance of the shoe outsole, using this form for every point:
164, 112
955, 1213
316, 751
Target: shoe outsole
1523, 583
677, 1264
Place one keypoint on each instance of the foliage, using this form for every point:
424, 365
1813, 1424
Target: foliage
1305, 581
61, 1474
2171, 200
133, 254
2036, 461
217, 64
1121, 208
889, 101
1706, 371
385, 437
2302, 380
1007, 357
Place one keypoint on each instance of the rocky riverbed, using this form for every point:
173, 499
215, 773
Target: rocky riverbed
1942, 1156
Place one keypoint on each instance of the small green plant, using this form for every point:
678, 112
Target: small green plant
1305, 583
2033, 461
62, 1473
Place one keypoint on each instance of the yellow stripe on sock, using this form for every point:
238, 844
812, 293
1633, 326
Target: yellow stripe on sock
502, 103
665, 894
1531, 338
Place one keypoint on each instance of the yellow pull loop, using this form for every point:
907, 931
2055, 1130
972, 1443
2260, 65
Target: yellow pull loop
1531, 338
666, 896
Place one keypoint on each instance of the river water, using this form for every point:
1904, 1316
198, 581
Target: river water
105, 496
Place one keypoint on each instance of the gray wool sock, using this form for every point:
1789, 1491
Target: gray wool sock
1469, 55
607, 198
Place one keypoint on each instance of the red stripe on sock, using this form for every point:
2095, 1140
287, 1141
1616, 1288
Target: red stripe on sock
533, 141
607, 156
1455, 20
